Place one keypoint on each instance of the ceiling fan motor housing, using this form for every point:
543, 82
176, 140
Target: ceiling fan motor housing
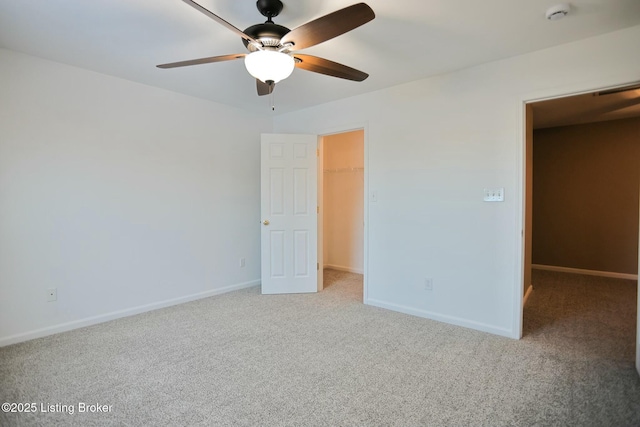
268, 33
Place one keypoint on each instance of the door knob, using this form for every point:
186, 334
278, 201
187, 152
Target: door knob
266, 222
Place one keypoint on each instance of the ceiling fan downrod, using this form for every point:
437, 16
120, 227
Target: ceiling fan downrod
269, 8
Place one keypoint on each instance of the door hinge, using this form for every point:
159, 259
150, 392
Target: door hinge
317, 209
317, 266
317, 152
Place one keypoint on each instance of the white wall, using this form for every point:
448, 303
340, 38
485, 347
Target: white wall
122, 196
343, 174
433, 145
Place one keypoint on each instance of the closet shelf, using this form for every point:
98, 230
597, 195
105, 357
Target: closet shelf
338, 170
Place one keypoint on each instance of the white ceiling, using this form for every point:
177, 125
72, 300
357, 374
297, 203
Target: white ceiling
408, 40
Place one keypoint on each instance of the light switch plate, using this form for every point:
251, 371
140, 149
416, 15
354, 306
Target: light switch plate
494, 194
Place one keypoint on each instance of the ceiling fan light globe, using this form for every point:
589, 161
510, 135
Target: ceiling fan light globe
269, 65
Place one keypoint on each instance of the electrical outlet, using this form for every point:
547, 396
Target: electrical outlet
428, 284
52, 294
241, 263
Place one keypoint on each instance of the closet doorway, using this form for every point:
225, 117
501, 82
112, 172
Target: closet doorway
341, 219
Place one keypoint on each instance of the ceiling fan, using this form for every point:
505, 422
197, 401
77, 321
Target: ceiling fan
271, 47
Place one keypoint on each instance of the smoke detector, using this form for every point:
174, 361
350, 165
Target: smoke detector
558, 11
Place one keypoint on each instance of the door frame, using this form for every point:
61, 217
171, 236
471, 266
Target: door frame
521, 201
365, 265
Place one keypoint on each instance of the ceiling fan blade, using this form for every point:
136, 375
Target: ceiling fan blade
328, 26
330, 68
202, 61
264, 88
222, 22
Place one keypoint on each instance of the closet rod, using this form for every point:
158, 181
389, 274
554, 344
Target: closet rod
344, 170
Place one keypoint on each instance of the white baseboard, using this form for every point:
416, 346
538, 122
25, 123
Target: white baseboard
452, 320
587, 272
526, 295
343, 268
93, 320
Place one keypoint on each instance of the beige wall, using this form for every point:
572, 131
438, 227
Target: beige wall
343, 201
585, 196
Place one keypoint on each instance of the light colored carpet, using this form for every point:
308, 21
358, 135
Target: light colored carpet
328, 360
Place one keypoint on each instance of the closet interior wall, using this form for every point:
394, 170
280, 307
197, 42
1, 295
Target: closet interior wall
343, 200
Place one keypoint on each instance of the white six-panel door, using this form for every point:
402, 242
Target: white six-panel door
288, 213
